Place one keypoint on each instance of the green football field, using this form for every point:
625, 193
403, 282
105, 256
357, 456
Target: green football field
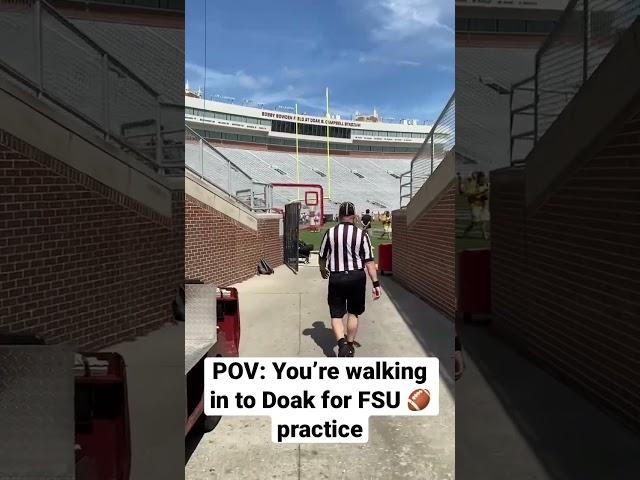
473, 240
315, 238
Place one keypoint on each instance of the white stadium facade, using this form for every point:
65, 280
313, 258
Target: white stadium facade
244, 149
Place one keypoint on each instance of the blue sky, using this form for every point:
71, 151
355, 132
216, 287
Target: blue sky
394, 55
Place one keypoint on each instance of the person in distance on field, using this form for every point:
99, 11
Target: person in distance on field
366, 221
386, 225
345, 254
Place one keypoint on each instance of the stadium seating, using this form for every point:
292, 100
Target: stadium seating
368, 182
162, 49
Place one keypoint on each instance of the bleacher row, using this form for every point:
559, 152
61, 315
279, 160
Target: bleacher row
368, 182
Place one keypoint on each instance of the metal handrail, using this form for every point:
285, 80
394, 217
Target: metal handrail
267, 188
403, 188
96, 46
430, 143
105, 120
592, 28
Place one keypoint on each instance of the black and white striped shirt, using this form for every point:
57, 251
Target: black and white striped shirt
346, 248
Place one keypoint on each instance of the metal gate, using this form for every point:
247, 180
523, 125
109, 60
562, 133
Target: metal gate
291, 232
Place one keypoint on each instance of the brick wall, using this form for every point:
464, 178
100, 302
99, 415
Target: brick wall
508, 254
577, 274
424, 252
221, 250
81, 263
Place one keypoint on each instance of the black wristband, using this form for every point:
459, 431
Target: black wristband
376, 283
458, 347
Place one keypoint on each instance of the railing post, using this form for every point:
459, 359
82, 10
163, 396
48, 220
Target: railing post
37, 44
105, 94
159, 140
201, 158
536, 99
411, 181
228, 177
432, 153
511, 126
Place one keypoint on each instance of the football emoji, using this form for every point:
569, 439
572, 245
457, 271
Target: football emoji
419, 399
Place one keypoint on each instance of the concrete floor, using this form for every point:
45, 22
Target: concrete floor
286, 315
512, 420
515, 421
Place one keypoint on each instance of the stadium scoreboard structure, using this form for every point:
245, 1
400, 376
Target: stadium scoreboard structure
230, 124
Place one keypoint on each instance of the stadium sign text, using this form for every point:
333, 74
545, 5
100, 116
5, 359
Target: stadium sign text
303, 119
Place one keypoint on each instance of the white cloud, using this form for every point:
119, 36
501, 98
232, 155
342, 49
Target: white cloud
215, 79
406, 33
367, 58
402, 19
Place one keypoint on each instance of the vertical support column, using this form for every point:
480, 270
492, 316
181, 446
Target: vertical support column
37, 45
105, 95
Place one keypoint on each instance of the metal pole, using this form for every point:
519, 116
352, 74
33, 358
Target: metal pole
411, 181
201, 158
159, 140
432, 154
328, 157
297, 156
511, 126
105, 94
229, 177
535, 100
37, 40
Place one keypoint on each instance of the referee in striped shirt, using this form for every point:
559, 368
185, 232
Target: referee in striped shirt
345, 253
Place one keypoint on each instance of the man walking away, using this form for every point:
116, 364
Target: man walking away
366, 221
345, 253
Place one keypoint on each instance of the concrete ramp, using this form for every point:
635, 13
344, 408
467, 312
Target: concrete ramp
287, 315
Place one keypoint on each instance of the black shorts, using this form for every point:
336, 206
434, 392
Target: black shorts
347, 292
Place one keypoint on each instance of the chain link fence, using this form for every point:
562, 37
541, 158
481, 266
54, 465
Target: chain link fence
60, 63
440, 140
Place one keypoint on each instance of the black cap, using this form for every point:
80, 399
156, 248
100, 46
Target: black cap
347, 209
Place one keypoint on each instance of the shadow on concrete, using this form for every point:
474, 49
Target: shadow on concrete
191, 442
323, 337
434, 332
563, 434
